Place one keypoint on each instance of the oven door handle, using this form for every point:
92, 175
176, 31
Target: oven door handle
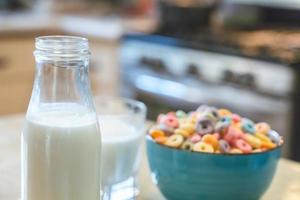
220, 94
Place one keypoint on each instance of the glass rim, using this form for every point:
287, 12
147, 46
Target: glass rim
139, 104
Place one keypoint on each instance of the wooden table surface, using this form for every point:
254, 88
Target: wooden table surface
285, 186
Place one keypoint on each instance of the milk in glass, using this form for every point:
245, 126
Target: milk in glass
121, 142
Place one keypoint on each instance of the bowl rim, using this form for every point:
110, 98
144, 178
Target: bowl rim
149, 138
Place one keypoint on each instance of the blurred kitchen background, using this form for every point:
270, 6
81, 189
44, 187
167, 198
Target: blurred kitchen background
171, 54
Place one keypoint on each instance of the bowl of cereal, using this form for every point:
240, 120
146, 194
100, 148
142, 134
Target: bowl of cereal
212, 154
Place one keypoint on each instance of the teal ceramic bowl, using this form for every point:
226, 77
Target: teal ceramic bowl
184, 175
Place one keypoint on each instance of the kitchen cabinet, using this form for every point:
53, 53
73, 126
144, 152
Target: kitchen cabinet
17, 68
17, 65
104, 67
16, 73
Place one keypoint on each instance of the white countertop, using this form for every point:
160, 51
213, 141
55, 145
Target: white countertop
285, 186
105, 27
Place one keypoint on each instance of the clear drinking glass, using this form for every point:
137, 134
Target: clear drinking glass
61, 143
122, 124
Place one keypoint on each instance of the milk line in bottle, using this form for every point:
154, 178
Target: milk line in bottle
61, 143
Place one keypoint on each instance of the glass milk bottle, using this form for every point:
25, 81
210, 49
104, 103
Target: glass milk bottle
61, 140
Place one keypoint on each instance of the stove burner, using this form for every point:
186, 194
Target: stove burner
277, 45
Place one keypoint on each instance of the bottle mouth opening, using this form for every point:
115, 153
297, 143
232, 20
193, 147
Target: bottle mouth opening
62, 45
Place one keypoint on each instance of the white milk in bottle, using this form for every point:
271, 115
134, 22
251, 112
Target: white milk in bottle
61, 141
62, 145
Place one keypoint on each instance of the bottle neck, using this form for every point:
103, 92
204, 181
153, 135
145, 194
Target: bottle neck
63, 82
61, 73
